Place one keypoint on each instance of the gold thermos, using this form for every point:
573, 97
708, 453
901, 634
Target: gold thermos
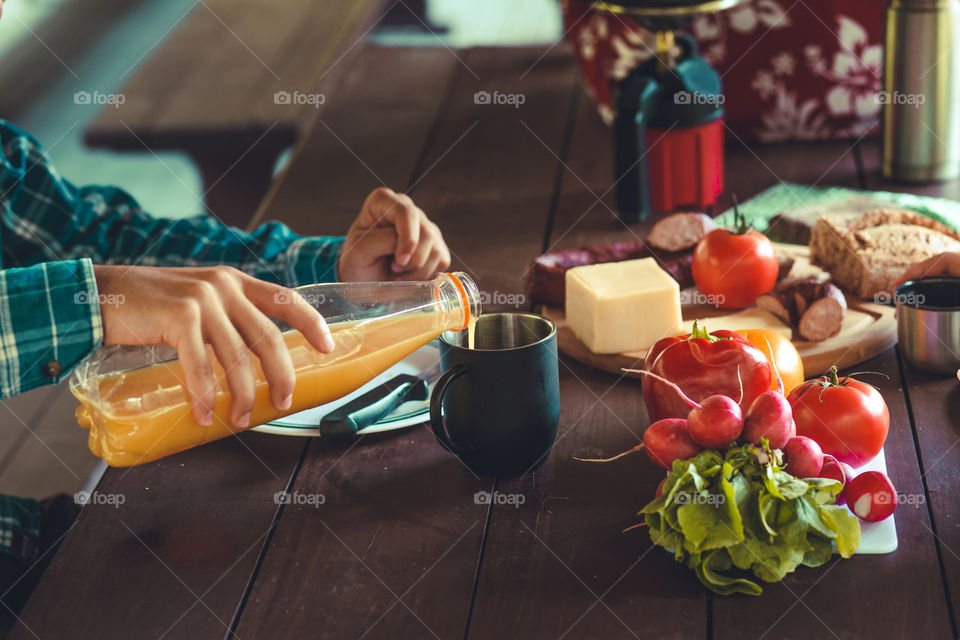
921, 91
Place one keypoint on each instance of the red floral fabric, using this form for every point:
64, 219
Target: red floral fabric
790, 70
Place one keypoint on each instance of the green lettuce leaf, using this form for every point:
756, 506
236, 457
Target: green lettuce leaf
735, 514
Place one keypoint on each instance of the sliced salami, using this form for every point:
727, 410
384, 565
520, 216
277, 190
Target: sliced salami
815, 310
680, 231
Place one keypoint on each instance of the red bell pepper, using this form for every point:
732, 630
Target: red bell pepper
703, 364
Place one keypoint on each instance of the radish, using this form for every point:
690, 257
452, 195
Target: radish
770, 417
871, 496
665, 441
716, 423
660, 488
848, 472
804, 457
668, 440
833, 469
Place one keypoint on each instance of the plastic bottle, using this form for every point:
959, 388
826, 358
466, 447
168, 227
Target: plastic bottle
134, 402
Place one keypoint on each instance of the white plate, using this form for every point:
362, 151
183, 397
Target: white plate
406, 415
877, 537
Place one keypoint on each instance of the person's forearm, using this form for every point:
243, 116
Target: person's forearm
271, 252
47, 218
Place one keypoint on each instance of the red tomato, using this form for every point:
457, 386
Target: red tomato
734, 268
847, 418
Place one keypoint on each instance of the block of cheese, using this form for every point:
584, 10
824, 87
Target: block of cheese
616, 307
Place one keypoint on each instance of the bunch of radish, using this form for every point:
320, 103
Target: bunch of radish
717, 422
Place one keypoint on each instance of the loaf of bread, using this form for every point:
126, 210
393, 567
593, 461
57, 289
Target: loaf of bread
795, 225
866, 255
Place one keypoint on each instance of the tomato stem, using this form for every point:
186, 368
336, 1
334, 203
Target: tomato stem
739, 220
834, 379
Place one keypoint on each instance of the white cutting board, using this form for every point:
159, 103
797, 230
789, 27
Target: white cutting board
877, 537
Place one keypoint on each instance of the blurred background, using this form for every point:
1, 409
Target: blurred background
52, 49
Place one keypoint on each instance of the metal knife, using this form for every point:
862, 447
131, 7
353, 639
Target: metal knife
369, 408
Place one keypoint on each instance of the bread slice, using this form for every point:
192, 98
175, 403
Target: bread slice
866, 255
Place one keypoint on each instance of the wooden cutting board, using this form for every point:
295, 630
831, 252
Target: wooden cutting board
868, 330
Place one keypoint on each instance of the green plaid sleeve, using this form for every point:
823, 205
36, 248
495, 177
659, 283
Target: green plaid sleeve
20, 520
47, 218
49, 321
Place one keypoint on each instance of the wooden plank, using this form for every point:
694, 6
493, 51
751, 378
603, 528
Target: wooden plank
176, 555
217, 95
264, 50
157, 80
897, 595
16, 414
390, 552
401, 528
370, 134
316, 58
559, 565
485, 181
212, 83
53, 457
935, 405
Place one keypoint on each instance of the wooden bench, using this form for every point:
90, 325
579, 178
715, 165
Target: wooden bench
232, 86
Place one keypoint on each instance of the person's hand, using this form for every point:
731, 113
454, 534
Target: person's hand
392, 239
189, 308
944, 264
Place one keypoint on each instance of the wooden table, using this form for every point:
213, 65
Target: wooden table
233, 86
400, 548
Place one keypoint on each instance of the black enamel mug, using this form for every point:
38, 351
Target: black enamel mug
497, 405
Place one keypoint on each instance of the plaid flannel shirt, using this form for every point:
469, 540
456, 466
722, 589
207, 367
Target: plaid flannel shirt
52, 232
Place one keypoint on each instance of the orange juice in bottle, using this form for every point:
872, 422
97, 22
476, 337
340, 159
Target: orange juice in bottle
140, 414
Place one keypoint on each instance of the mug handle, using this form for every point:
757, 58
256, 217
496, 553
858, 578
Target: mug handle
436, 407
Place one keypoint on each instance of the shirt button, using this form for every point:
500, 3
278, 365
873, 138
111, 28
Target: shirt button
52, 369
